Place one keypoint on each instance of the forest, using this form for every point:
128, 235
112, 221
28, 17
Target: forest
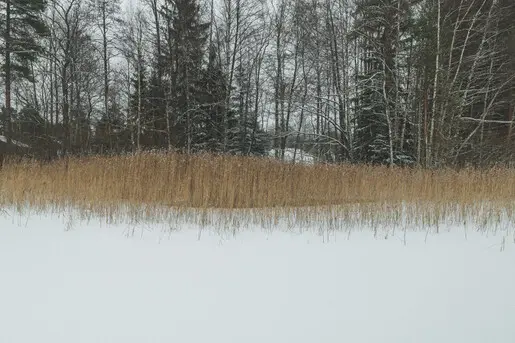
426, 83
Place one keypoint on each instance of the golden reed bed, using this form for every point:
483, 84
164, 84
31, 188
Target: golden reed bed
200, 182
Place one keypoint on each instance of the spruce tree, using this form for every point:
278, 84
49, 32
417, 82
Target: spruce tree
188, 35
381, 95
22, 26
212, 95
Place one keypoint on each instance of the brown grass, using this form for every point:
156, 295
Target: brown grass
148, 185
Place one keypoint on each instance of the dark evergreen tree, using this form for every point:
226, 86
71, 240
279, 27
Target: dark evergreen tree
381, 24
156, 117
22, 25
244, 137
188, 36
372, 130
28, 125
209, 136
111, 133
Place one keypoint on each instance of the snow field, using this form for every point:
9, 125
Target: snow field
89, 282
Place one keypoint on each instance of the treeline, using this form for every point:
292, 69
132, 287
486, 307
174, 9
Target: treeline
396, 82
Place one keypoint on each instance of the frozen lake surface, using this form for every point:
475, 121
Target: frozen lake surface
62, 283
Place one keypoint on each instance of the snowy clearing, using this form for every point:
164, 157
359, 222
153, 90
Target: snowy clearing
95, 283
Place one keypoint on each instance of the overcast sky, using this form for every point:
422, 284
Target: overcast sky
129, 2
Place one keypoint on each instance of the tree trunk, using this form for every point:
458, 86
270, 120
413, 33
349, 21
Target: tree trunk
430, 146
106, 72
8, 119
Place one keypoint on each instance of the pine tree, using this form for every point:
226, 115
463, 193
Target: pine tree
22, 27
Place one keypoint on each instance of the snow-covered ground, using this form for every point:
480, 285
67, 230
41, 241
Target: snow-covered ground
87, 282
300, 156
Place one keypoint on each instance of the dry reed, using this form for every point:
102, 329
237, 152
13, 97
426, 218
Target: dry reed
148, 185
